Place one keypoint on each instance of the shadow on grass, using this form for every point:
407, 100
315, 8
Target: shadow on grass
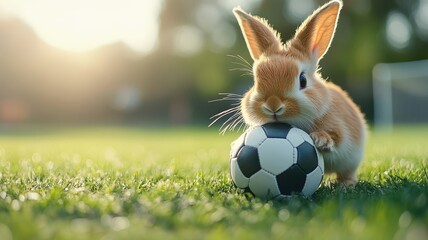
397, 193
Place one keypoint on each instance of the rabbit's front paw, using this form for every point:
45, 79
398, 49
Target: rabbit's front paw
323, 141
347, 179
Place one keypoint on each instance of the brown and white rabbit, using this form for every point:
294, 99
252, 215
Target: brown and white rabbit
288, 88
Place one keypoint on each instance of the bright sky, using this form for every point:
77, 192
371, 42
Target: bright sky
81, 25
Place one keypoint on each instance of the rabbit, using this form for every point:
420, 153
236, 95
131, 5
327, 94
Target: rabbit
289, 88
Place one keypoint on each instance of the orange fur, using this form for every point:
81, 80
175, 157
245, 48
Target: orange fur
318, 94
276, 73
316, 32
259, 36
345, 113
321, 108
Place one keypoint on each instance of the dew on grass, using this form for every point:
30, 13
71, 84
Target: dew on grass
81, 225
173, 196
22, 198
25, 165
405, 219
76, 159
36, 157
283, 214
33, 196
417, 231
119, 223
358, 224
110, 154
50, 165
249, 217
77, 190
16, 205
218, 215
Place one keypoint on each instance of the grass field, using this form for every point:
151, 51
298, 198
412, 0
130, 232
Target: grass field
174, 184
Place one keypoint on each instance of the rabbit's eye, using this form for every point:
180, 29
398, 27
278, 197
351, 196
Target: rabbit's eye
303, 81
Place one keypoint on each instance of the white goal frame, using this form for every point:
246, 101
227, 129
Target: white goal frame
384, 75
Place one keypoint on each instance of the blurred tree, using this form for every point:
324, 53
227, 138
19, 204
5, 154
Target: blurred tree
195, 38
191, 64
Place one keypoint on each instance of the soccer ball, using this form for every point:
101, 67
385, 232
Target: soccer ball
276, 160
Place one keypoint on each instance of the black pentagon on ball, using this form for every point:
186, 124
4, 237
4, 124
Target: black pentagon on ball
248, 161
307, 157
276, 129
291, 180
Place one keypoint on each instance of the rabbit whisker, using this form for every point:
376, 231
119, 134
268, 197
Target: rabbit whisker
225, 112
235, 110
243, 60
227, 124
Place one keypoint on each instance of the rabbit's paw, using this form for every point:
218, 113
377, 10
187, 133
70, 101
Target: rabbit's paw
347, 179
323, 141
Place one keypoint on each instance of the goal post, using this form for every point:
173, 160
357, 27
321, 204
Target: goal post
400, 93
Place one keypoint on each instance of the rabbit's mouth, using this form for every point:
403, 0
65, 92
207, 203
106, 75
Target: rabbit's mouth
274, 112
275, 118
280, 118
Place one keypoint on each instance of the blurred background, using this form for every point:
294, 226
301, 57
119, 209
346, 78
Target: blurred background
159, 62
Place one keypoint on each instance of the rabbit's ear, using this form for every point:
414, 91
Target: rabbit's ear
317, 31
259, 36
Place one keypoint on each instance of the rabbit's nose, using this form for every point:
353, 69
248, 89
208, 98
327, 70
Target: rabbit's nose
280, 110
273, 111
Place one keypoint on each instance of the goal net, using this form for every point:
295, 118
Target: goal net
400, 93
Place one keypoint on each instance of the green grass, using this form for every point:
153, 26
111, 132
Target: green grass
174, 184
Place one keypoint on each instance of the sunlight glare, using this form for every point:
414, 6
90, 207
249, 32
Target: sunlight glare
298, 10
188, 40
421, 17
398, 30
82, 25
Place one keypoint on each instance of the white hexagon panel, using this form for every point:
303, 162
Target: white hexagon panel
263, 185
276, 155
295, 137
304, 135
255, 137
313, 181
